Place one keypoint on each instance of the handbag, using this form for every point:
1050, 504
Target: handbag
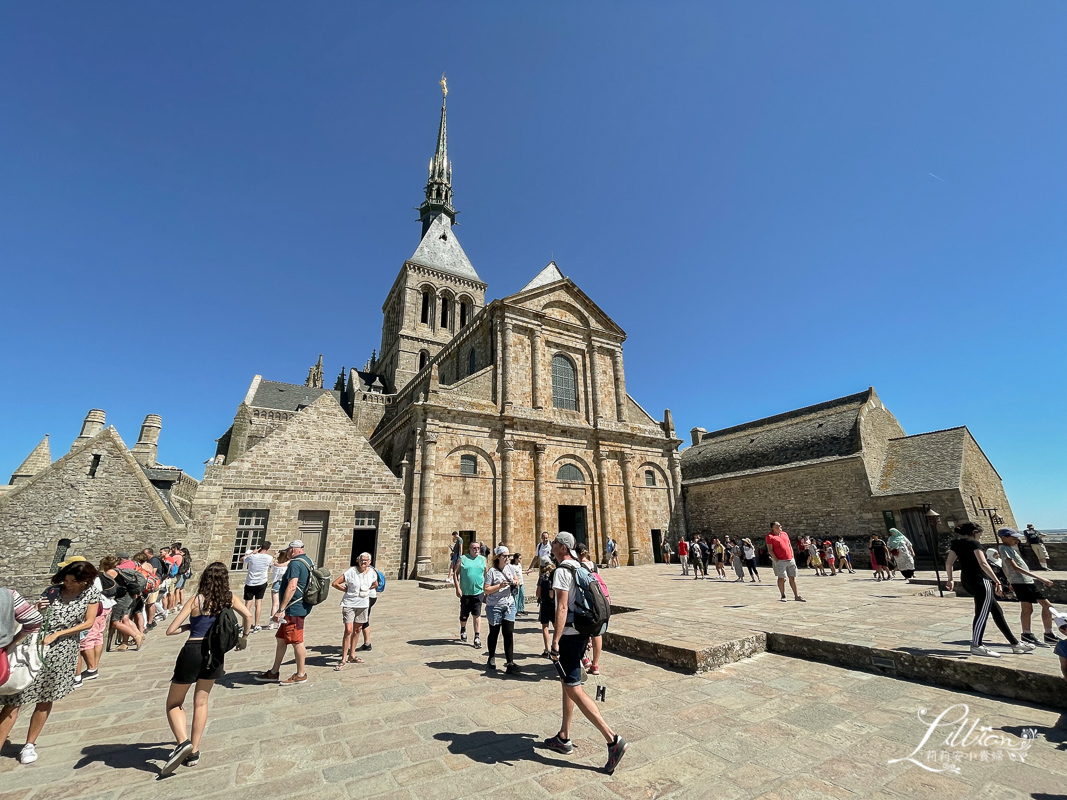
24, 659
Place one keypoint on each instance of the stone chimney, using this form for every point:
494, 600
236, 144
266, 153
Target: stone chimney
94, 423
147, 446
697, 434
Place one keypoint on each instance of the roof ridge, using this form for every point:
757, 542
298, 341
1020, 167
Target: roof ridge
841, 402
927, 433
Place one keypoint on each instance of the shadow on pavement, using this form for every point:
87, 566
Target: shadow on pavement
126, 756
488, 747
435, 642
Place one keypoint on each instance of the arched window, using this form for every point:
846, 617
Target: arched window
468, 465
425, 316
569, 472
446, 309
472, 362
424, 358
564, 385
650, 477
464, 313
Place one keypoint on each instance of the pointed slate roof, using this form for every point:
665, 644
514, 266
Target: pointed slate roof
39, 459
923, 462
549, 274
440, 250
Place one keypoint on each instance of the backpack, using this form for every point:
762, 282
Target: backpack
592, 611
132, 580
108, 586
318, 586
221, 638
152, 581
381, 581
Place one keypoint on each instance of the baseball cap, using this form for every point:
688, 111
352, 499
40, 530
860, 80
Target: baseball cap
71, 560
1003, 532
296, 543
501, 551
1059, 619
123, 556
567, 540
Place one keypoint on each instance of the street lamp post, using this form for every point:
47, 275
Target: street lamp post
932, 518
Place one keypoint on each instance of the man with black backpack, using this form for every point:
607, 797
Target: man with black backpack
569, 644
291, 614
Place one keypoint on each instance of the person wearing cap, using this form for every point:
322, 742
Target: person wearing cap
982, 584
501, 586
1060, 621
1036, 540
291, 632
470, 589
1022, 583
568, 647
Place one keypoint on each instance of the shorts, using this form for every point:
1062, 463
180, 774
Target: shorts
276, 587
546, 614
95, 635
291, 631
785, 569
180, 582
168, 586
358, 616
497, 614
152, 597
1027, 592
189, 668
255, 592
571, 650
470, 604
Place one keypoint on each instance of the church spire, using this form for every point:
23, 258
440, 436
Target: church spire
439, 186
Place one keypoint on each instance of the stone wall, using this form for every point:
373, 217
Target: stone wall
981, 484
102, 513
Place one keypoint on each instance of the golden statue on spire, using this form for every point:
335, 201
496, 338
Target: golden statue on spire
444, 85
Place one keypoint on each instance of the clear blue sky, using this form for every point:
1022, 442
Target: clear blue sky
195, 193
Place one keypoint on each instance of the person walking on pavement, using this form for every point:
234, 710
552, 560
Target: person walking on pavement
546, 613
901, 549
470, 590
294, 612
750, 559
543, 555
257, 579
1022, 582
694, 557
844, 560
981, 583
501, 582
780, 549
568, 647
683, 555
1036, 540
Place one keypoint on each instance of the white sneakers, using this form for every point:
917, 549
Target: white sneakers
1023, 647
982, 650
28, 754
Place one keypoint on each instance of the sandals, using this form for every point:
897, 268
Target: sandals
341, 666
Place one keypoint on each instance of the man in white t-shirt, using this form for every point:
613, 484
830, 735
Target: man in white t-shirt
568, 647
257, 574
543, 554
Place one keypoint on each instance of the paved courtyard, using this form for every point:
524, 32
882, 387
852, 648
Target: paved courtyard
422, 719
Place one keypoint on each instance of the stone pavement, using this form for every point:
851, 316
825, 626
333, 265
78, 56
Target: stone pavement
848, 620
422, 719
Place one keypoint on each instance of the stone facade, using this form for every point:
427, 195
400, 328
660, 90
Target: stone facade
98, 499
315, 465
845, 468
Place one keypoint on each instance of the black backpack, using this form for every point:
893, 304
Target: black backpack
221, 638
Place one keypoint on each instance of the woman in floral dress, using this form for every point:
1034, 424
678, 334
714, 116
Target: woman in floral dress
69, 606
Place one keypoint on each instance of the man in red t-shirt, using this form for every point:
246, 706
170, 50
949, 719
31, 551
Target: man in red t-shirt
781, 552
683, 555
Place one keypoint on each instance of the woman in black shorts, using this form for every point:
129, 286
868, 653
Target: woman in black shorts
212, 597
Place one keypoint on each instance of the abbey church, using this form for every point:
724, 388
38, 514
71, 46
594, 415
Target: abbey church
498, 420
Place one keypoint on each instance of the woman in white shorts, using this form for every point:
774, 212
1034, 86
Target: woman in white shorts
356, 583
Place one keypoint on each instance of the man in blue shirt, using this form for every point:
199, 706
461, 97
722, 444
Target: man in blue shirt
470, 589
291, 614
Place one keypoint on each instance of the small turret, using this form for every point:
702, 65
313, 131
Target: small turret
93, 424
147, 447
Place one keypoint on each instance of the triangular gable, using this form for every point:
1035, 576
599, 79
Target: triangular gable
125, 457
441, 250
531, 297
40, 458
549, 274
317, 447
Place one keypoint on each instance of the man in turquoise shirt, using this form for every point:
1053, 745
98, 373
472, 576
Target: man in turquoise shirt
471, 591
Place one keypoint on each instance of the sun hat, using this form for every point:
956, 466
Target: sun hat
70, 561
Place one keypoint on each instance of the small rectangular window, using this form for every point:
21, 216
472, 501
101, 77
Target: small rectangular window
425, 316
95, 465
650, 478
251, 533
468, 465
